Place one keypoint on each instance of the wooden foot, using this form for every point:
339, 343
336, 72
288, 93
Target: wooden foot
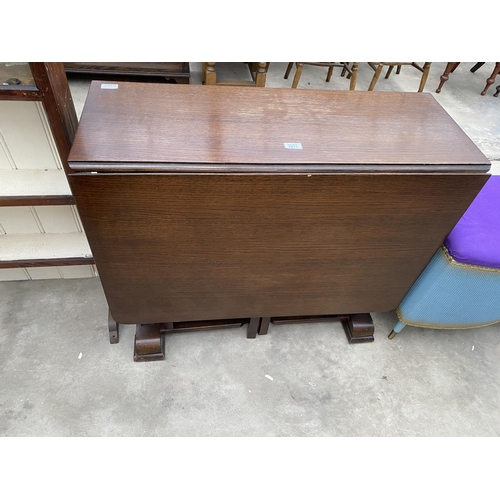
148, 345
497, 92
359, 328
113, 327
392, 334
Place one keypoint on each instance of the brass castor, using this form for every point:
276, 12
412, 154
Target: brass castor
392, 334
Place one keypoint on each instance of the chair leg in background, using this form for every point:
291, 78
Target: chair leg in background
375, 77
476, 67
450, 68
296, 78
329, 75
354, 76
423, 81
491, 80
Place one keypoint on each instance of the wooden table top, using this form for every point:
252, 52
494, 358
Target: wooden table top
221, 126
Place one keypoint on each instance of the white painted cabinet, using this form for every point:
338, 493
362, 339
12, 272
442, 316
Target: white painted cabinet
41, 236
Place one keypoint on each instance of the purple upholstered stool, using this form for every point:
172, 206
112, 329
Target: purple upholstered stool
460, 287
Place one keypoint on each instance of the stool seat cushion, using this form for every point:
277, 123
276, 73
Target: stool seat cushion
475, 239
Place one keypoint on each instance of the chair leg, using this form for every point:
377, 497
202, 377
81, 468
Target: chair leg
330, 72
354, 77
288, 69
210, 75
296, 78
389, 71
203, 72
399, 326
423, 81
476, 67
491, 80
398, 69
375, 77
261, 74
450, 68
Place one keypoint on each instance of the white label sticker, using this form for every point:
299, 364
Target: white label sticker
109, 85
293, 145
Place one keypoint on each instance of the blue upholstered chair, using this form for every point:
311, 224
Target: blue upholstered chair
460, 287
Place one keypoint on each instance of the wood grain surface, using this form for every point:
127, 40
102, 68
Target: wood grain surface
198, 247
195, 124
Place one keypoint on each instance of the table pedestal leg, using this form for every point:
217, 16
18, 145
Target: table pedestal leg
149, 341
253, 328
148, 345
359, 328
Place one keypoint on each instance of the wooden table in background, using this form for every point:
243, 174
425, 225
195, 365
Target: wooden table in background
211, 206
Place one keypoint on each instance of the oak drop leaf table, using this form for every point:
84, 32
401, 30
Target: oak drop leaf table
212, 206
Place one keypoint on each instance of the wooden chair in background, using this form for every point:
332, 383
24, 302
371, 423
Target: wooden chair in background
377, 67
257, 70
452, 66
352, 73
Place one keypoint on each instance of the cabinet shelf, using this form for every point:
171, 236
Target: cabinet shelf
34, 187
26, 250
40, 231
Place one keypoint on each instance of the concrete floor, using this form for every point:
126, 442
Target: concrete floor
61, 377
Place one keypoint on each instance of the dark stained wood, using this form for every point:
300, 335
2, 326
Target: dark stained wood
177, 71
359, 328
19, 93
197, 247
114, 330
216, 125
264, 326
196, 326
72, 261
197, 212
18, 201
291, 320
53, 85
149, 343
253, 328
